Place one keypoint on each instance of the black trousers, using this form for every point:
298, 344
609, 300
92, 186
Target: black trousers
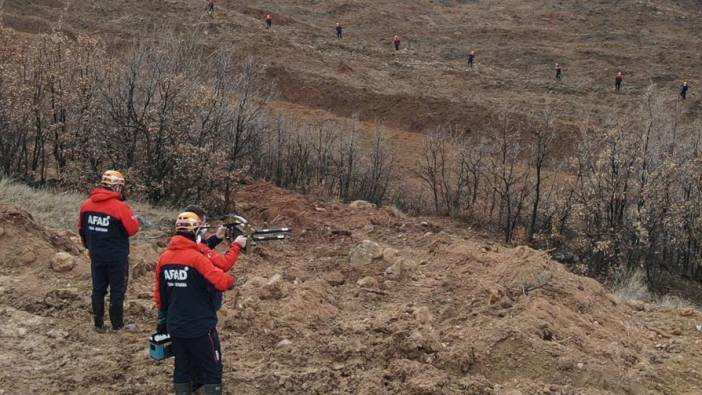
115, 275
198, 360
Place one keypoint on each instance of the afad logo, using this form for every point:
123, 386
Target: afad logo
176, 274
99, 220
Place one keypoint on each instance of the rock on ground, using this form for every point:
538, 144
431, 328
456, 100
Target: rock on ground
365, 253
63, 262
362, 204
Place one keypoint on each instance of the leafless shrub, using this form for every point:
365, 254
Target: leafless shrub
185, 124
326, 158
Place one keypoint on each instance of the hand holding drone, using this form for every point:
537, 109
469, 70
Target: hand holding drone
240, 226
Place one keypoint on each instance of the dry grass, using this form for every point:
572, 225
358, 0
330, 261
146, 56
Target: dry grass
59, 210
633, 287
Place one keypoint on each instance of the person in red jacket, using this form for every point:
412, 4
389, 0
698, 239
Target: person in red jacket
618, 81
210, 7
559, 73
206, 244
269, 21
396, 41
683, 90
188, 293
339, 30
105, 225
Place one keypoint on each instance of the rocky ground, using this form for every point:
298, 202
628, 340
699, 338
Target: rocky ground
360, 300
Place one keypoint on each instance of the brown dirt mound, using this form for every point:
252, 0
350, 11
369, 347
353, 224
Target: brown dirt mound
455, 315
16, 224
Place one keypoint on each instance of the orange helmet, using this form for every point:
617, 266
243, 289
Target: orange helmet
188, 222
112, 178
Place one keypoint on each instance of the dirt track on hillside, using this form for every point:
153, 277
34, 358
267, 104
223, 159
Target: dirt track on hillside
454, 315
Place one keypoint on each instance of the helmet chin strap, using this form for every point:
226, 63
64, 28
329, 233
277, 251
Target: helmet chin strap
199, 233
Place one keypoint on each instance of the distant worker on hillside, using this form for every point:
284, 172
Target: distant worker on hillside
339, 30
210, 7
618, 81
396, 41
105, 225
559, 73
471, 59
683, 90
188, 294
269, 21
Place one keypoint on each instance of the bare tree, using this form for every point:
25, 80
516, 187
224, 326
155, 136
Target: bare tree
508, 177
543, 136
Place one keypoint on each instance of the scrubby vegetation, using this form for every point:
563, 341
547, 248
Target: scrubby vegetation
184, 124
628, 200
188, 124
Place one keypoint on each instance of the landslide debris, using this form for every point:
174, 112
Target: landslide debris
439, 312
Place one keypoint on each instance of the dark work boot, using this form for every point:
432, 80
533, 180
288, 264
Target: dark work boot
98, 314
183, 388
117, 317
213, 389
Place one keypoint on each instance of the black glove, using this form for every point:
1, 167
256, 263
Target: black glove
161, 324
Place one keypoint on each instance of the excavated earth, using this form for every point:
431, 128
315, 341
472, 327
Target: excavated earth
360, 301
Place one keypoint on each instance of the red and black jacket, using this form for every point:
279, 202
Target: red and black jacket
225, 262
105, 225
189, 285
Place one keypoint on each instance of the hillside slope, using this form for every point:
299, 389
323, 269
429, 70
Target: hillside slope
427, 83
432, 309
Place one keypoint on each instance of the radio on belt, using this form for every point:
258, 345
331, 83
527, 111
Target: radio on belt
160, 346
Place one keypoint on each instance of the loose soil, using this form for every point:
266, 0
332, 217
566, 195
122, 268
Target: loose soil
462, 315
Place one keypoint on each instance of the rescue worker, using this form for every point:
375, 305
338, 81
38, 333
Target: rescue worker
471, 59
188, 294
618, 81
396, 41
269, 21
339, 30
683, 90
206, 245
105, 225
210, 7
558, 72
